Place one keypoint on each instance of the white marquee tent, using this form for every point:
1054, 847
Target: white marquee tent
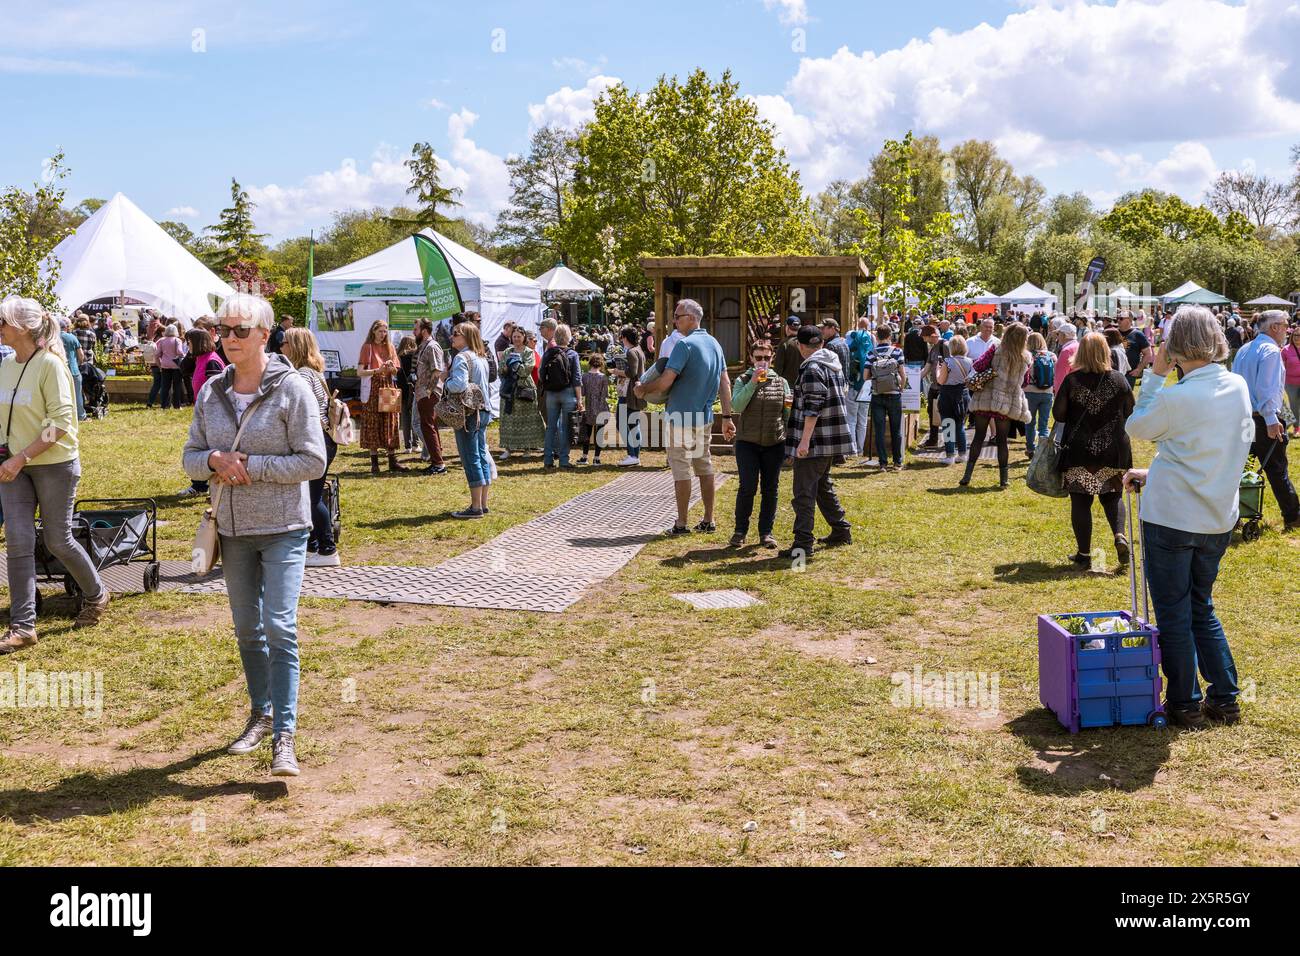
562, 281
121, 250
358, 294
1028, 294
974, 295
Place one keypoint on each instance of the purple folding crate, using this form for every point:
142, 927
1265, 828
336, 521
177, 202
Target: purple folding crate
1117, 683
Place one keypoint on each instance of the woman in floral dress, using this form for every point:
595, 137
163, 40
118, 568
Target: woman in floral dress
378, 367
522, 427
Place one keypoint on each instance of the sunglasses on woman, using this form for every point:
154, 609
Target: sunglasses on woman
238, 331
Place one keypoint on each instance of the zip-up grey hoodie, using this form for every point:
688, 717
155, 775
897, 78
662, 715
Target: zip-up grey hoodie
283, 441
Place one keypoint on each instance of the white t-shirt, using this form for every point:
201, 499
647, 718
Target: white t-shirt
241, 402
666, 349
976, 346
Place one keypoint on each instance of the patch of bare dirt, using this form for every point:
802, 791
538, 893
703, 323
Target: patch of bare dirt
850, 647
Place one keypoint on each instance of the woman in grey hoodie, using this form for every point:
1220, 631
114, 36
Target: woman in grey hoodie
264, 515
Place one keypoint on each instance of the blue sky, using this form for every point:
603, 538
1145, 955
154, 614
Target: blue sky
314, 105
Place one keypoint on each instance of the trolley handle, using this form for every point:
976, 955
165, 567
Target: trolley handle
1134, 505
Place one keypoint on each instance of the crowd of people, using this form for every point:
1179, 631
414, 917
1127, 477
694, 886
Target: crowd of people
265, 424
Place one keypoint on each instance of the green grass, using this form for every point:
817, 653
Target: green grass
633, 729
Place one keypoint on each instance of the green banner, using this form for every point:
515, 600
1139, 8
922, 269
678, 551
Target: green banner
439, 282
311, 275
402, 315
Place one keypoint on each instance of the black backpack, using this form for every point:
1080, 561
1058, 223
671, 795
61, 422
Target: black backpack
556, 376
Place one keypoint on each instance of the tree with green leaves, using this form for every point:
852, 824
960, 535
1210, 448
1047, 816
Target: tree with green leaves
990, 198
540, 184
836, 207
88, 207
235, 238
1149, 216
430, 194
31, 225
912, 258
688, 168
179, 231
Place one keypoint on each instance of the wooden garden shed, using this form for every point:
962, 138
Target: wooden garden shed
743, 295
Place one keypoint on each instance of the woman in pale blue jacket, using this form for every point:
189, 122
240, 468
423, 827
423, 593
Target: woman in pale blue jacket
1202, 429
469, 367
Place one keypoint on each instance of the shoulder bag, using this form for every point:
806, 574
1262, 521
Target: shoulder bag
207, 544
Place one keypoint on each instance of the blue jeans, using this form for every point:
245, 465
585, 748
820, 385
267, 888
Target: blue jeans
471, 445
892, 406
954, 402
264, 579
559, 405
858, 413
629, 429
81, 398
1181, 567
1040, 411
155, 390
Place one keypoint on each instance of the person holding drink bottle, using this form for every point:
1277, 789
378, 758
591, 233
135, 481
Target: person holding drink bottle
761, 400
1188, 509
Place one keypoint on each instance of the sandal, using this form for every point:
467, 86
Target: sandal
706, 527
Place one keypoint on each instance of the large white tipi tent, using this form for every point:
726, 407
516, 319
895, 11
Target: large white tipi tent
121, 250
346, 301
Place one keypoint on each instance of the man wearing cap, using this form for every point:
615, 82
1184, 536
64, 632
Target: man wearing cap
788, 359
1136, 346
816, 434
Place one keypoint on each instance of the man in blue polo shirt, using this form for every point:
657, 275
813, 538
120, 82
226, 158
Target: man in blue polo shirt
1260, 363
70, 349
696, 374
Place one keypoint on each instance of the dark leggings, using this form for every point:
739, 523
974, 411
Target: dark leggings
1001, 428
589, 435
322, 522
1112, 502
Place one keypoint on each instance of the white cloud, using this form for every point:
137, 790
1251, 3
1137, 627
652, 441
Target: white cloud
289, 210
791, 13
182, 212
1054, 80
166, 24
436, 104
45, 66
578, 65
1187, 170
568, 108
480, 174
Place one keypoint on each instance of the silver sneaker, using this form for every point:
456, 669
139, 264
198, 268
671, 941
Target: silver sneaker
256, 730
284, 762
